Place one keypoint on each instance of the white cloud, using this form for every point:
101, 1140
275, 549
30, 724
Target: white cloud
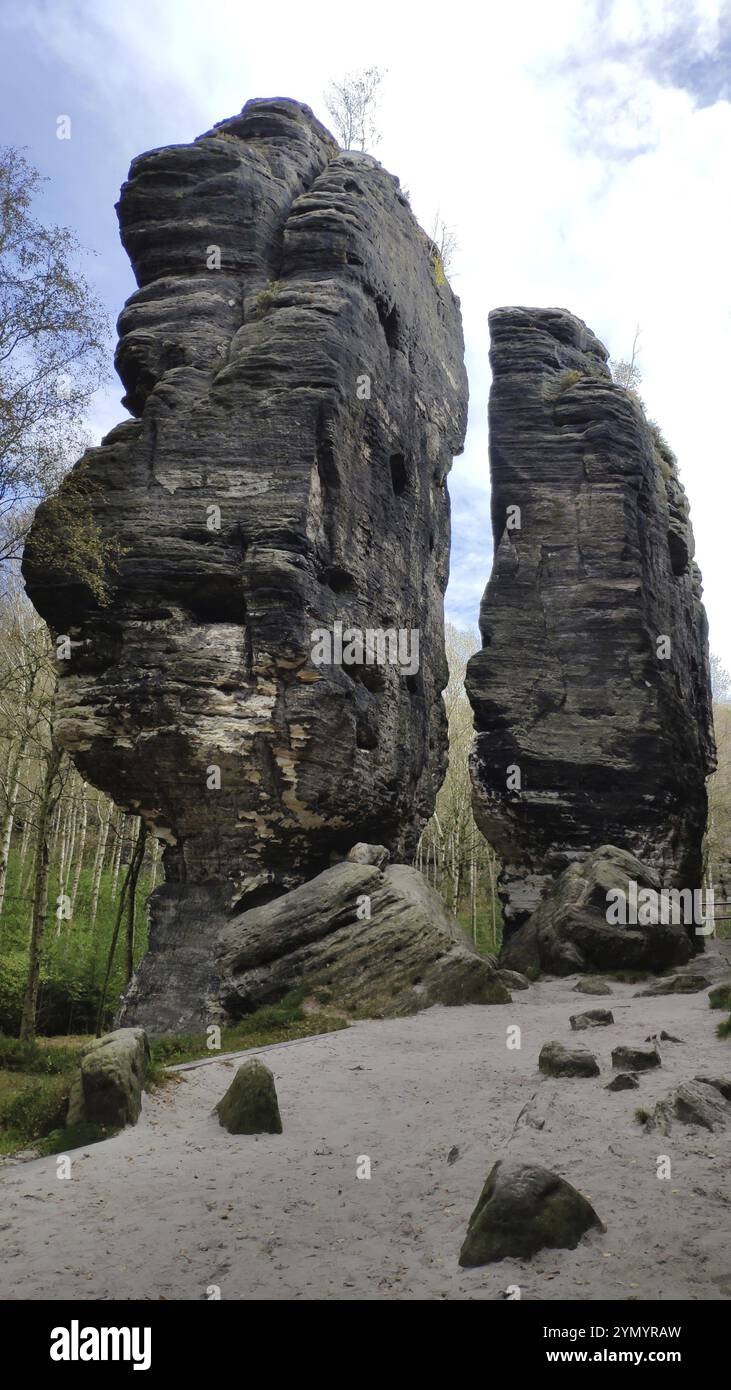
565, 143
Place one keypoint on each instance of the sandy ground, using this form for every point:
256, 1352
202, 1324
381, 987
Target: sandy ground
175, 1206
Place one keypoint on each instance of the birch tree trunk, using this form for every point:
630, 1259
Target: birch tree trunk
49, 791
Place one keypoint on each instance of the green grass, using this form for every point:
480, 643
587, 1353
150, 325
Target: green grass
273, 1023
36, 1078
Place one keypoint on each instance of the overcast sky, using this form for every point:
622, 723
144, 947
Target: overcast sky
580, 149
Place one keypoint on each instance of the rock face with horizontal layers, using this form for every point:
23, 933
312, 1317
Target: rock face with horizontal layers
591, 693
293, 360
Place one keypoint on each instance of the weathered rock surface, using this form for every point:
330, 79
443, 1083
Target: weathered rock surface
592, 985
250, 1105
557, 1060
380, 942
593, 1018
700, 1102
522, 1209
611, 741
406, 954
624, 1081
108, 1090
569, 930
674, 984
293, 360
635, 1058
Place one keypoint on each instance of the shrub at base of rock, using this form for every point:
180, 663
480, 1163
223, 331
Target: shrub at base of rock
250, 1104
635, 1058
569, 931
380, 939
557, 1060
720, 997
522, 1209
108, 1089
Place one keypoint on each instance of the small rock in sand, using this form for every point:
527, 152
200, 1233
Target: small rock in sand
592, 984
557, 1060
635, 1058
523, 1208
250, 1104
593, 1018
624, 1081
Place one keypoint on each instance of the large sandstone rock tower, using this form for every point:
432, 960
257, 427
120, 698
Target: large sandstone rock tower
293, 361
591, 694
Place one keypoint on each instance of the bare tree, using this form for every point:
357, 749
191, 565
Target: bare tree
445, 240
720, 680
53, 351
352, 104
626, 371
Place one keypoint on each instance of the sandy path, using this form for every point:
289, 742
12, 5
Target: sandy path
176, 1205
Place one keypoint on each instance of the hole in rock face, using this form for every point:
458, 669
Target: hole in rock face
389, 323
338, 579
351, 186
399, 476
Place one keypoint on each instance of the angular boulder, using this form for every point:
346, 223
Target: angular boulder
380, 941
522, 1209
250, 1105
636, 1058
570, 930
623, 1081
701, 1102
593, 1018
108, 1089
557, 1060
255, 616
591, 694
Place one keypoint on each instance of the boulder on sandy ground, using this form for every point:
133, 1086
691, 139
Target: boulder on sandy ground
592, 984
524, 1208
512, 979
381, 942
569, 931
250, 1104
674, 984
557, 1060
593, 1018
624, 1081
108, 1089
635, 1058
720, 997
699, 1102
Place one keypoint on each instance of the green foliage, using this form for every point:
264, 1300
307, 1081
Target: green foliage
273, 1023
74, 954
724, 1029
61, 1141
264, 301
67, 540
33, 1111
557, 385
35, 1059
